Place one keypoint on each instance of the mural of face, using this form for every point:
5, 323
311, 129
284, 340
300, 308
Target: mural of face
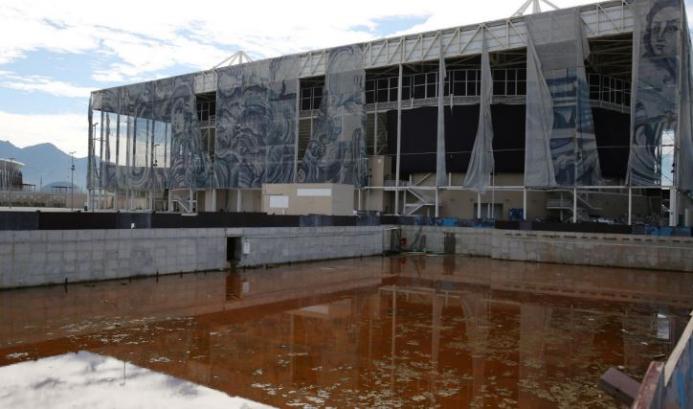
662, 30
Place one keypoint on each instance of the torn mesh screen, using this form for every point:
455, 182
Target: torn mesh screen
256, 123
478, 175
657, 24
685, 166
336, 151
561, 147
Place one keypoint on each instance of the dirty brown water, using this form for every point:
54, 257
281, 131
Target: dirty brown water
405, 331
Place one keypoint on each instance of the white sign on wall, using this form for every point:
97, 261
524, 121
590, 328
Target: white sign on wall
278, 202
323, 192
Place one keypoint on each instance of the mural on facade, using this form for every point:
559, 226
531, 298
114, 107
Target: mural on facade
256, 123
559, 123
657, 24
336, 152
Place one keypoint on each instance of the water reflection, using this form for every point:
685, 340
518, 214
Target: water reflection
87, 380
415, 331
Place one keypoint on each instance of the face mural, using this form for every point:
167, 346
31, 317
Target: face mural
654, 109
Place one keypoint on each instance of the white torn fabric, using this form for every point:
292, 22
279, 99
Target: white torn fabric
441, 171
538, 124
684, 132
478, 176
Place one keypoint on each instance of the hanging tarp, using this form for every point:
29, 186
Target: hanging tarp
336, 152
654, 108
478, 176
587, 168
561, 148
256, 123
441, 174
281, 138
228, 110
685, 131
539, 171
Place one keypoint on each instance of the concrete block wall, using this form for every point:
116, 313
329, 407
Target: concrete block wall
39, 257
274, 245
611, 250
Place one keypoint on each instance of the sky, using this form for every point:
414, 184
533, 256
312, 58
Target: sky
53, 53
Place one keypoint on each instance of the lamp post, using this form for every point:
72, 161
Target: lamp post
72, 181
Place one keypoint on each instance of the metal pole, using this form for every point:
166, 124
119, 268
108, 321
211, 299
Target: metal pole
492, 208
436, 212
72, 181
630, 205
574, 205
297, 127
399, 137
375, 130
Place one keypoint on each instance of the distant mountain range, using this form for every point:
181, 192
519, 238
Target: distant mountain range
45, 163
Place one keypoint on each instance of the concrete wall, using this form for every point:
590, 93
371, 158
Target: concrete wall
326, 198
275, 245
612, 250
40, 257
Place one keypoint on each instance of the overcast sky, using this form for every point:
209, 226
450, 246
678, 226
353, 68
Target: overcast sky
53, 53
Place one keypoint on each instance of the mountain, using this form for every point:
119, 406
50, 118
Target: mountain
45, 163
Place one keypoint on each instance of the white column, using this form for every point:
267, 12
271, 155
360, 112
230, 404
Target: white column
478, 205
239, 200
673, 207
524, 203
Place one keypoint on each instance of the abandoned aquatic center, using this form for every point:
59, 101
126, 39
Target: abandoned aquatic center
572, 115
494, 156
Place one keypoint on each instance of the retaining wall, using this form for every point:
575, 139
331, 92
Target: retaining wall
39, 257
30, 258
611, 250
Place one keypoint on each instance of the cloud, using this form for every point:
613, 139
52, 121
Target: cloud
37, 83
142, 38
66, 131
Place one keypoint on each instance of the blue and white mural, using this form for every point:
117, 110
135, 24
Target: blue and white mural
654, 106
561, 148
336, 152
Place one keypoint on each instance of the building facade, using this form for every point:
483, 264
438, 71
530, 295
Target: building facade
575, 114
11, 174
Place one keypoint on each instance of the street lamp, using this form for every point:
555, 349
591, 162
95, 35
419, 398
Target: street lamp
72, 181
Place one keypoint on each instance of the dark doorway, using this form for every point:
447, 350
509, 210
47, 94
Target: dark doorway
233, 249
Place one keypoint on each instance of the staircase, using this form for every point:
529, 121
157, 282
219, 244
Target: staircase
419, 198
562, 201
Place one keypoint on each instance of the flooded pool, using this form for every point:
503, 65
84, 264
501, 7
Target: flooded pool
410, 331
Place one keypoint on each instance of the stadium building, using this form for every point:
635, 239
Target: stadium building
574, 114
